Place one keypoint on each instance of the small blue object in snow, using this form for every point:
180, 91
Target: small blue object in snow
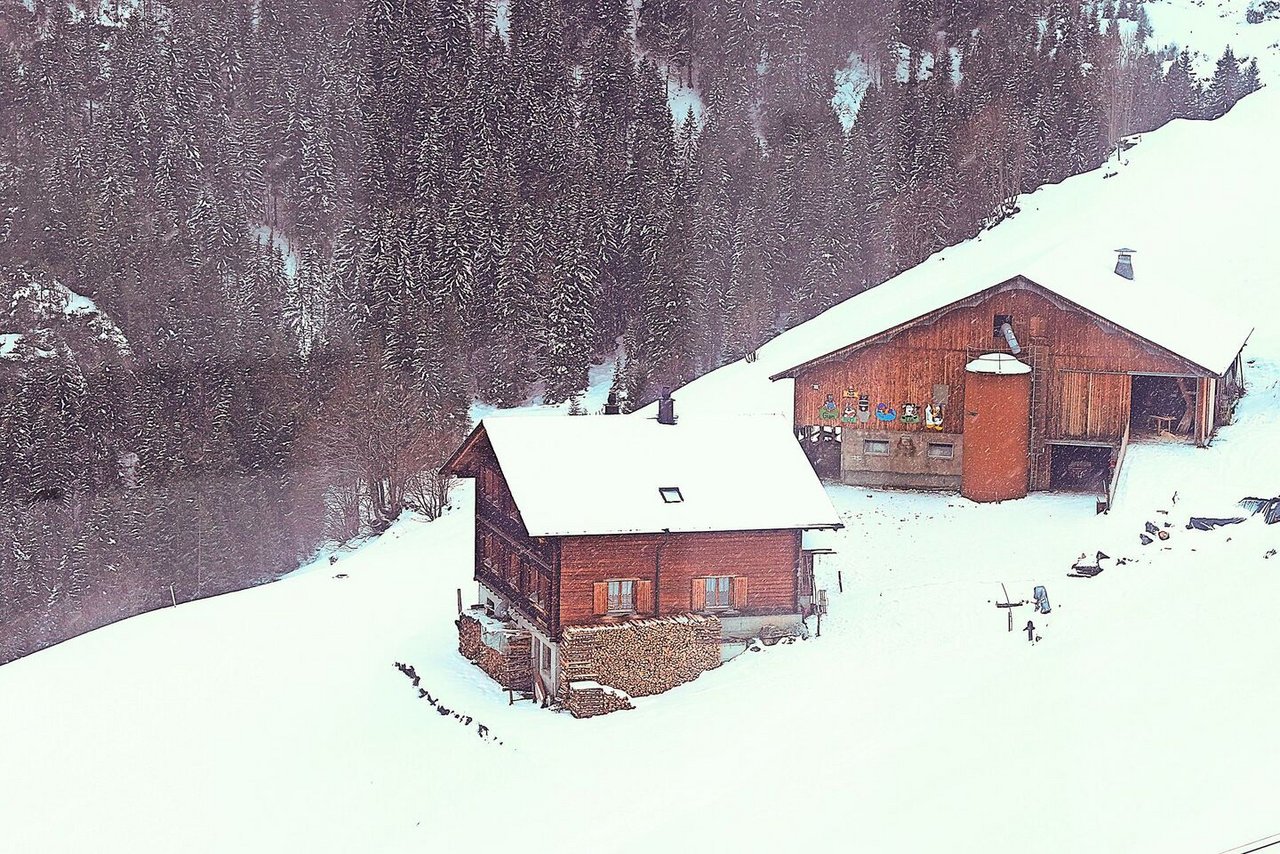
1042, 600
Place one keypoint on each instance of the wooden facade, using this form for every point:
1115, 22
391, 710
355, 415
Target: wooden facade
911, 378
557, 582
672, 568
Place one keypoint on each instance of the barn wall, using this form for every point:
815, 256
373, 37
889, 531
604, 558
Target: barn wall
1088, 405
767, 559
906, 367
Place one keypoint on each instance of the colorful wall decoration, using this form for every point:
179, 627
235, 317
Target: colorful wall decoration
933, 416
910, 413
829, 409
885, 412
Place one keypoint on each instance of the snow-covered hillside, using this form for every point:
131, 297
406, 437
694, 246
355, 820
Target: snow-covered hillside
274, 720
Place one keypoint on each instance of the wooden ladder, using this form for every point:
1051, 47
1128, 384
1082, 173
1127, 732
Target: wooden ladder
1036, 359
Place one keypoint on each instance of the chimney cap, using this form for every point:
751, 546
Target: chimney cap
1126, 251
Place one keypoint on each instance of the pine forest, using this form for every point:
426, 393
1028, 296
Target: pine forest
259, 259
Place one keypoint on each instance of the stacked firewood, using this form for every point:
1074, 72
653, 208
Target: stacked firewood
642, 657
589, 699
512, 666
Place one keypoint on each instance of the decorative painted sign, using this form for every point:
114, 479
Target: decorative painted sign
850, 394
884, 412
910, 413
850, 415
933, 415
829, 409
864, 408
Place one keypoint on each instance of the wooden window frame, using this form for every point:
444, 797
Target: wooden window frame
732, 599
878, 443
616, 604
719, 592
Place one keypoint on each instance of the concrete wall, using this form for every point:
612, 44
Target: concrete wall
907, 464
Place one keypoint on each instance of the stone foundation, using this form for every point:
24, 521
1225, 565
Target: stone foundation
640, 657
501, 649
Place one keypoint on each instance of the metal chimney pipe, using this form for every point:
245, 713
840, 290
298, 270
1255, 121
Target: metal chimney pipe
1124, 263
1007, 330
666, 408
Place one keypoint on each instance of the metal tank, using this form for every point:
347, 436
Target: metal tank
997, 428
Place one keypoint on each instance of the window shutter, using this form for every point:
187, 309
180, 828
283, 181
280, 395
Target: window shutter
699, 595
644, 596
601, 594
738, 592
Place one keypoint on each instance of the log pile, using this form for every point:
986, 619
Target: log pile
503, 650
587, 699
641, 657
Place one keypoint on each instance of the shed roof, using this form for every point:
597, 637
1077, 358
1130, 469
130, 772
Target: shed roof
604, 474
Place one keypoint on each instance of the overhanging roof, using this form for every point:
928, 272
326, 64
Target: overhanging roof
602, 474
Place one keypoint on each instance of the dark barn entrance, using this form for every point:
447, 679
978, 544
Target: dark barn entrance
822, 447
1079, 468
1161, 406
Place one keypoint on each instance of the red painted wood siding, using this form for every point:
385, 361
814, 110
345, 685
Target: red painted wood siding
766, 558
905, 367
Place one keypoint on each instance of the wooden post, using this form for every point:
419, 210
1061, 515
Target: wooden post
459, 600
840, 579
172, 598
1009, 611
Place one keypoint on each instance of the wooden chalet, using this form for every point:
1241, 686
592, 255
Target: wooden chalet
1012, 386
610, 520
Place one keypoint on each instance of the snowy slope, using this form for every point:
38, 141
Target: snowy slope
273, 720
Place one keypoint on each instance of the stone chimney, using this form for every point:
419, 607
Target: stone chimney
1124, 263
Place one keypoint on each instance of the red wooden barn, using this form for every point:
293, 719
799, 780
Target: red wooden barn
597, 521
1000, 387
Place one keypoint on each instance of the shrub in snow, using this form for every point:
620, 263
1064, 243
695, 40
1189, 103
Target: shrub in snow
1262, 10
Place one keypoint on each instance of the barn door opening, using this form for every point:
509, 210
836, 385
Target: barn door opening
1079, 468
821, 445
1162, 408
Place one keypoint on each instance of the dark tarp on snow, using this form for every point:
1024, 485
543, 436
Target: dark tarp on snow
1268, 508
1206, 523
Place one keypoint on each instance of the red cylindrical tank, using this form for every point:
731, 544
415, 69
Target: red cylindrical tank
997, 428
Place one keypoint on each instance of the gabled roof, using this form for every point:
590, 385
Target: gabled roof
1190, 330
1180, 323
603, 474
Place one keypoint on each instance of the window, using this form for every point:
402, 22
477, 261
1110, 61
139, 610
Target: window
718, 591
941, 451
622, 596
875, 447
671, 494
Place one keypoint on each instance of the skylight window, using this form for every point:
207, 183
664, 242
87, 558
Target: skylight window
670, 494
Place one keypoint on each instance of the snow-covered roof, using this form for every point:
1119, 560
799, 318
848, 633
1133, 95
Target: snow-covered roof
605, 474
1151, 305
